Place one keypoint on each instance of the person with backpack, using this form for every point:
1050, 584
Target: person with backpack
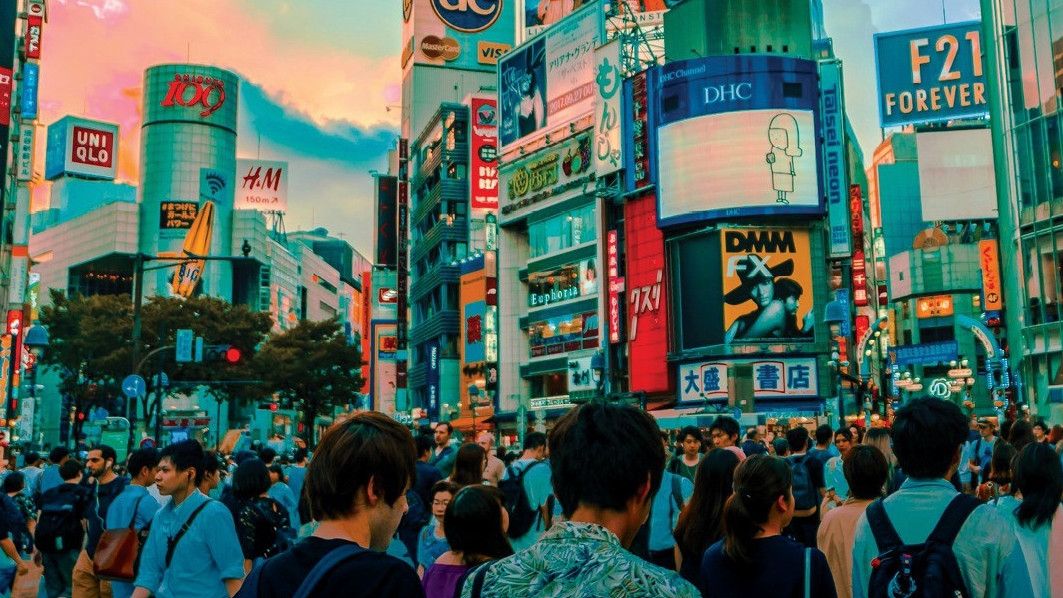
701, 522
17, 542
432, 541
419, 496
60, 528
192, 548
282, 493
105, 485
807, 475
754, 558
262, 524
475, 525
527, 490
927, 533
135, 507
15, 487
50, 476
355, 485
655, 542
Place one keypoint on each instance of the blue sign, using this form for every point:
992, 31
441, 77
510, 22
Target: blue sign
183, 345
468, 16
906, 355
433, 380
930, 74
835, 173
476, 328
134, 386
754, 117
31, 74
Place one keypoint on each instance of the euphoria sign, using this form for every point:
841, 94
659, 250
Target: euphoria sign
468, 16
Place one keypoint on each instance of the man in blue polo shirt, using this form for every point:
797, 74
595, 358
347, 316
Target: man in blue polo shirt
192, 549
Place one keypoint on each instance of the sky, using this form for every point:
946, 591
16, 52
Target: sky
320, 81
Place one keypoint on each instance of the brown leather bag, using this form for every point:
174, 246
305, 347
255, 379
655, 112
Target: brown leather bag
118, 551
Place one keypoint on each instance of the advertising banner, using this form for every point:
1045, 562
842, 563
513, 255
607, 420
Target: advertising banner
402, 278
957, 180
6, 88
384, 366
540, 15
906, 355
638, 171
859, 278
616, 284
263, 185
647, 305
86, 148
483, 153
580, 373
609, 83
992, 294
34, 29
31, 77
386, 220
563, 283
382, 304
767, 285
463, 34
433, 379
533, 179
753, 119
934, 306
930, 74
24, 153
177, 215
563, 334
835, 173
772, 378
548, 82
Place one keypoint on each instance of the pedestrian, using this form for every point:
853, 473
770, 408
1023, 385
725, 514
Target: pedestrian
1021, 434
928, 435
724, 434
655, 541
495, 467
475, 523
824, 450
754, 558
296, 472
686, 463
866, 472
999, 482
701, 522
781, 447
260, 520
419, 496
16, 541
210, 483
105, 485
32, 472
606, 462
50, 477
267, 455
1036, 517
528, 493
443, 455
837, 489
355, 485
282, 493
1055, 437
469, 466
754, 442
979, 453
135, 508
880, 439
60, 528
1040, 430
808, 487
432, 540
192, 549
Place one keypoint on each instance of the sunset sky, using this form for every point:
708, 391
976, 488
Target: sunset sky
319, 76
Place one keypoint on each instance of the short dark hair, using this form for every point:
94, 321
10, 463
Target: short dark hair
473, 524
267, 455
692, 431
797, 438
450, 427
443, 486
366, 445
14, 482
58, 454
1039, 477
106, 452
31, 457
781, 445
299, 455
278, 469
534, 440
926, 435
824, 434
469, 465
865, 470
425, 444
727, 425
184, 455
844, 432
211, 462
250, 479
141, 458
70, 470
602, 454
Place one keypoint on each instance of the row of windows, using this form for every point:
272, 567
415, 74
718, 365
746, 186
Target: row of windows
562, 231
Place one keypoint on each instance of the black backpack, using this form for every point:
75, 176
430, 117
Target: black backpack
521, 514
59, 526
806, 496
927, 570
284, 536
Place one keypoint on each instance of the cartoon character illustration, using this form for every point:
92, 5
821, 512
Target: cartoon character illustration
769, 318
785, 146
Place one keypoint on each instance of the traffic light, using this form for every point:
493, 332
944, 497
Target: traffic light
224, 353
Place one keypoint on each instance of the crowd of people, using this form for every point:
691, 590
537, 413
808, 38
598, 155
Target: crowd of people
606, 504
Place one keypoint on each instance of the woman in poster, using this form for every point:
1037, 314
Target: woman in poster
552, 11
768, 319
531, 114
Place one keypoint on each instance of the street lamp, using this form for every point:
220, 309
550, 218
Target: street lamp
37, 342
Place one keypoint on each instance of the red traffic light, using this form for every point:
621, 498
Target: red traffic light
272, 406
232, 355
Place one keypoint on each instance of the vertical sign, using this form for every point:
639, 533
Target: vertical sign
433, 380
34, 27
31, 75
835, 173
483, 150
992, 296
856, 212
609, 84
402, 225
863, 324
616, 286
24, 153
636, 134
385, 220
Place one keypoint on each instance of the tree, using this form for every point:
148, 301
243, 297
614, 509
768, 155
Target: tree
313, 366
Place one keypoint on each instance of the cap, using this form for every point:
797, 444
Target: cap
985, 421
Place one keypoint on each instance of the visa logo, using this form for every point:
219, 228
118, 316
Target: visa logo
490, 52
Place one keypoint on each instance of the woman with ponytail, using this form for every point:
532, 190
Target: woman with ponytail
754, 558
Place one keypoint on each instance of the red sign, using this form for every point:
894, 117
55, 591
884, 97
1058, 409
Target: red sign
483, 161
34, 27
612, 258
646, 305
94, 147
856, 213
991, 291
859, 278
386, 295
196, 91
863, 323
14, 328
5, 96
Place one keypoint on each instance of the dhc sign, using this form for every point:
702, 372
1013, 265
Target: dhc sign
468, 16
728, 92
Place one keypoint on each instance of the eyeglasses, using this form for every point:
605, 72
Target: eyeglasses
440, 503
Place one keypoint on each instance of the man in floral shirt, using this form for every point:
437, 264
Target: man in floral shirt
606, 463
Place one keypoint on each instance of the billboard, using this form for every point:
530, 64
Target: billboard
563, 334
177, 215
835, 173
905, 355
34, 31
384, 366
462, 34
992, 294
608, 85
753, 118
383, 304
934, 306
930, 74
548, 82
483, 153
773, 378
579, 279
31, 77
385, 240
647, 307
635, 131
24, 153
539, 15
263, 185
957, 180
527, 181
859, 269
81, 147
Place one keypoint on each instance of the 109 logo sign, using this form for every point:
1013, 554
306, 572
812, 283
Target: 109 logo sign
468, 16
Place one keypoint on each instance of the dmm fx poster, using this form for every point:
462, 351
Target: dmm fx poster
930, 74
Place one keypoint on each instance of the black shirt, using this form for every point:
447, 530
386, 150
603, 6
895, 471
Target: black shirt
427, 476
103, 495
778, 570
371, 575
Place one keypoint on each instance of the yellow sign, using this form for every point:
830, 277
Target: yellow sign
935, 306
490, 52
197, 244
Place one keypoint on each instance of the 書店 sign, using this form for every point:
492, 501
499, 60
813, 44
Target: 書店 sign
772, 378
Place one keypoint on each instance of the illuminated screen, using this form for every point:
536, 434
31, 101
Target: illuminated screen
761, 160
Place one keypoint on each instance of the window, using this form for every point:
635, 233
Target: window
564, 230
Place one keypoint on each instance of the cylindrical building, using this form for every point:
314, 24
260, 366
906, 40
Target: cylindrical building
187, 156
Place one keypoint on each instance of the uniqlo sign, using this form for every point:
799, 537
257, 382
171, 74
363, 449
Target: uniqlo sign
483, 149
